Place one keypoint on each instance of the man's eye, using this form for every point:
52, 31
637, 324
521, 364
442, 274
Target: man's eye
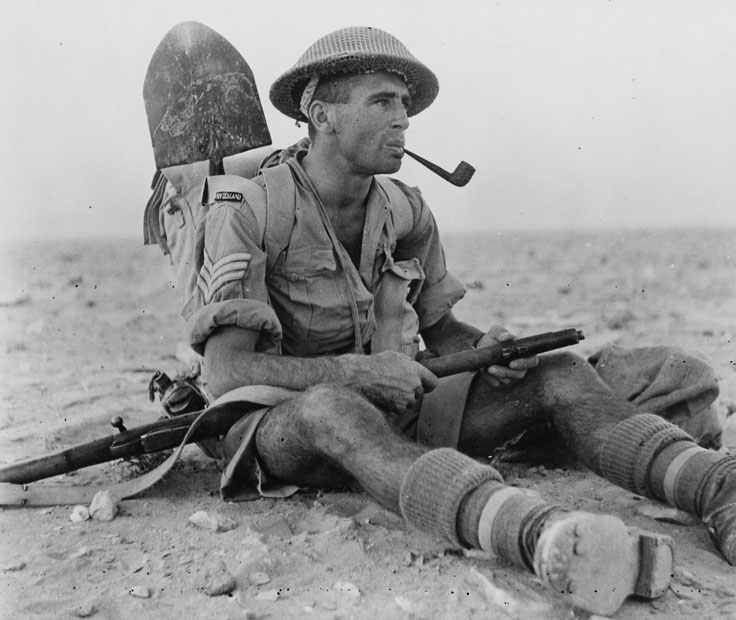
171, 208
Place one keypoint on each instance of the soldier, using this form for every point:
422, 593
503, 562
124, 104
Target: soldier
314, 283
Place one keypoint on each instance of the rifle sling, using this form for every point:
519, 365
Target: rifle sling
64, 494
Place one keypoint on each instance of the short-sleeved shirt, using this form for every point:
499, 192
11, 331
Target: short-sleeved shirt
300, 300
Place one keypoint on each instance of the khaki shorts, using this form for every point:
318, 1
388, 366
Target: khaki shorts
437, 425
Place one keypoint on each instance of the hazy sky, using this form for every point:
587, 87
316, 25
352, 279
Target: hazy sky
576, 113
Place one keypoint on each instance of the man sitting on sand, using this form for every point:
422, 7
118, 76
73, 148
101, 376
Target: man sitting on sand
314, 284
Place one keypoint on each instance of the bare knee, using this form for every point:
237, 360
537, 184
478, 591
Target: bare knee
338, 419
564, 362
565, 376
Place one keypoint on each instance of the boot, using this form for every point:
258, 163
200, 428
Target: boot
651, 457
593, 562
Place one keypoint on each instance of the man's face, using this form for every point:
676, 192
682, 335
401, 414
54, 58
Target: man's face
370, 127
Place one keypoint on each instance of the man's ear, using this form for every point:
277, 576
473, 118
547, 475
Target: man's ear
321, 117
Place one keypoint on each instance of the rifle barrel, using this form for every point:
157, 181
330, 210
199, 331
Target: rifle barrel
501, 354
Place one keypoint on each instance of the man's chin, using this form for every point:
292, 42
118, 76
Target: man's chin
392, 166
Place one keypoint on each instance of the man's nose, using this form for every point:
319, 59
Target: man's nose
402, 118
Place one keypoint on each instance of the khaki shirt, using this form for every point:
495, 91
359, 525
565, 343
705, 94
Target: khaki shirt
302, 303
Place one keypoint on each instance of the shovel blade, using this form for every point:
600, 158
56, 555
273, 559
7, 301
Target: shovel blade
201, 99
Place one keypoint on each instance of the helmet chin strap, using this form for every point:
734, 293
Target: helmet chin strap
308, 94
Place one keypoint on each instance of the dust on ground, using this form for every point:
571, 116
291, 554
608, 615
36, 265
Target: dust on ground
83, 325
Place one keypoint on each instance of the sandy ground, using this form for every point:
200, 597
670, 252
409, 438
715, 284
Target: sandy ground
84, 325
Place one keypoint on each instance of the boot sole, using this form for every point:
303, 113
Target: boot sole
596, 562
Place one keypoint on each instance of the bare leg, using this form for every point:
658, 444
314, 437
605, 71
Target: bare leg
563, 389
331, 434
637, 451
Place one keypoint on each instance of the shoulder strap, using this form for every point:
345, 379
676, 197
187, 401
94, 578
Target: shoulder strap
234, 188
281, 201
401, 211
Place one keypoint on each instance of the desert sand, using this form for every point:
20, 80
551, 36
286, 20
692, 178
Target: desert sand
84, 324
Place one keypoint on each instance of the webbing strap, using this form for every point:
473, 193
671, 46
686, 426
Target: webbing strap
280, 211
402, 214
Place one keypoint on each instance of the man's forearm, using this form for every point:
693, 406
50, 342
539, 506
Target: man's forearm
230, 363
448, 335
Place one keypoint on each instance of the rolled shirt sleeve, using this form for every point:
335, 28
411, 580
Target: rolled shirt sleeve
230, 267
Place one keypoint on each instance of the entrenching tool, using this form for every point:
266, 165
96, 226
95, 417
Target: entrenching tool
201, 99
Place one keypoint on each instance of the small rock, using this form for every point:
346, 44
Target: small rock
214, 522
80, 553
259, 578
345, 587
217, 580
79, 514
140, 591
268, 595
405, 604
85, 610
104, 506
665, 514
12, 566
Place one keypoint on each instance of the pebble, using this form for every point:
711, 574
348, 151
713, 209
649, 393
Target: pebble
85, 610
212, 522
217, 580
80, 553
666, 514
259, 578
405, 604
268, 595
140, 591
79, 514
104, 506
13, 566
346, 587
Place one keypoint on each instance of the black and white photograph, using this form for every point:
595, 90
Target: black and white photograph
371, 310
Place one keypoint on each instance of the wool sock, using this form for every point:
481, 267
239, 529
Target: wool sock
649, 456
434, 487
506, 521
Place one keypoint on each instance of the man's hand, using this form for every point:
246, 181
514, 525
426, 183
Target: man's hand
498, 376
392, 381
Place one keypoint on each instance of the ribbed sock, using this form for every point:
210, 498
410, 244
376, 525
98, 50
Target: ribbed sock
632, 447
435, 486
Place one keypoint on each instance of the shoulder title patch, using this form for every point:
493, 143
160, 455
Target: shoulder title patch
228, 196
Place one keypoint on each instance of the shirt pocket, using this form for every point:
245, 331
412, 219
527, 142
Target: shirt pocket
397, 321
319, 311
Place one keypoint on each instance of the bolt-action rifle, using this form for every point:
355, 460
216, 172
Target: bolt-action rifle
215, 421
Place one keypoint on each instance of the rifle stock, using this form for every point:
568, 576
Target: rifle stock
168, 433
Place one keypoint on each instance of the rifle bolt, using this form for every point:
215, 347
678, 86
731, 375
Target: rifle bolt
117, 422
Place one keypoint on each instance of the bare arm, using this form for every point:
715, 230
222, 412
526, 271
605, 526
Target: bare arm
448, 335
390, 380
